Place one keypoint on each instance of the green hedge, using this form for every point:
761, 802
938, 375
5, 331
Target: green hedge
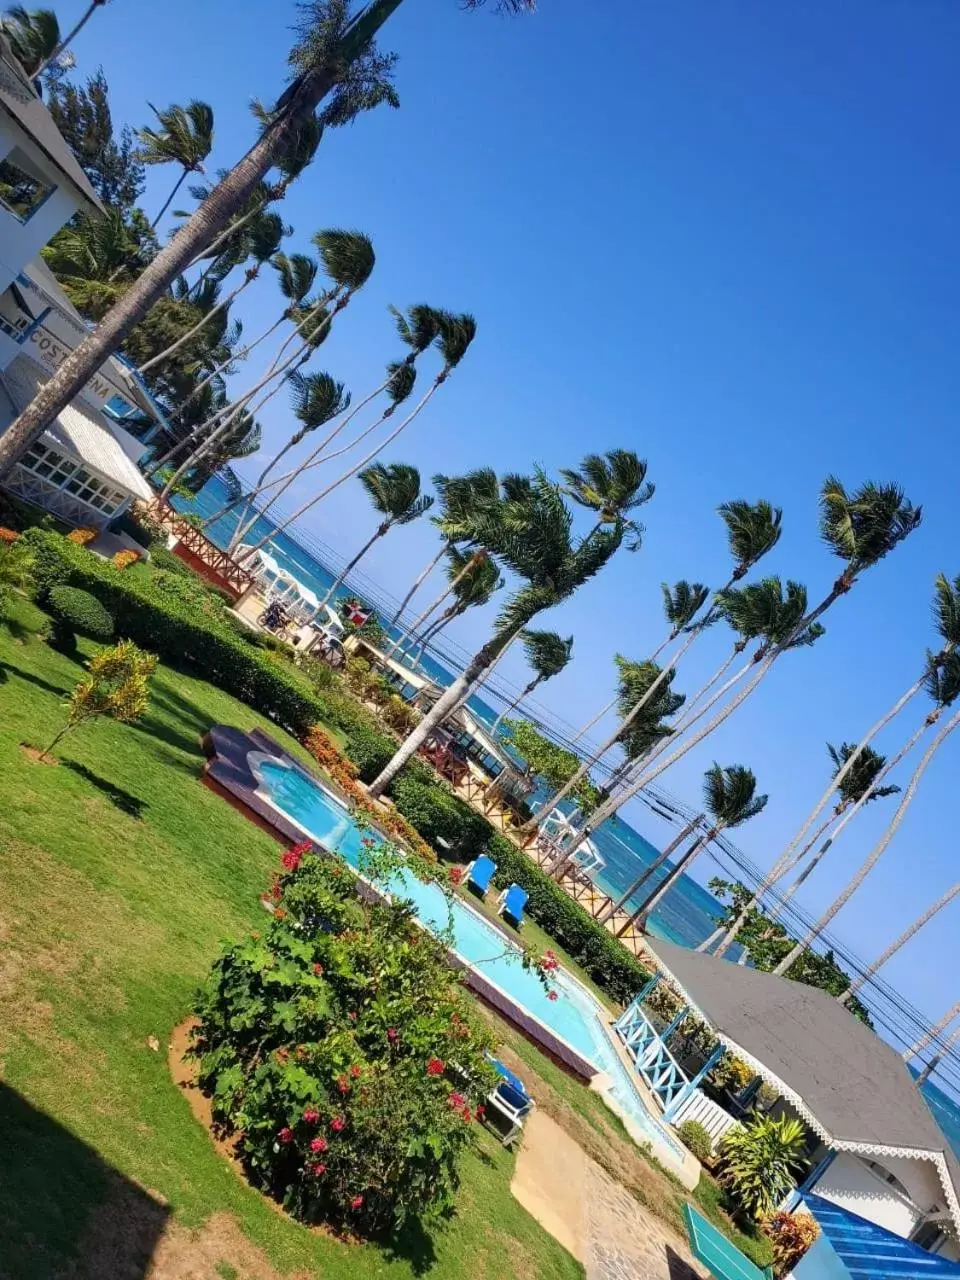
79, 611
606, 960
438, 814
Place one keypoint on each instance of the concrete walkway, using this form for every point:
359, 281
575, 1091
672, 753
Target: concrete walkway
602, 1225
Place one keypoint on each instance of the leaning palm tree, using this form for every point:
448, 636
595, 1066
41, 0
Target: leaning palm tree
394, 490
729, 796
548, 654
931, 1034
921, 921
529, 529
456, 334
185, 137
946, 613
943, 686
32, 35
937, 1058
336, 61
611, 485
615, 905
64, 44
474, 579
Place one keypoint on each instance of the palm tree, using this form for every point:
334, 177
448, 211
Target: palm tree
33, 37
943, 686
684, 834
263, 240
923, 919
473, 579
394, 491
928, 1037
456, 334
946, 613
335, 58
71, 35
938, 1057
729, 796
185, 137
611, 486
529, 530
547, 654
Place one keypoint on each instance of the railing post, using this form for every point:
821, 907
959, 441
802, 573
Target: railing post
715, 1055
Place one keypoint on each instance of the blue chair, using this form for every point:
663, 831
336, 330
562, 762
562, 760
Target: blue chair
511, 904
510, 1099
479, 874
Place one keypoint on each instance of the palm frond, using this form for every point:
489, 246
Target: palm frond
946, 608
547, 652
730, 794
296, 275
315, 399
348, 257
866, 525
943, 678
418, 328
394, 489
403, 378
455, 332
682, 602
753, 529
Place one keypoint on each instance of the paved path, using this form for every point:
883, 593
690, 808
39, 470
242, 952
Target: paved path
601, 1224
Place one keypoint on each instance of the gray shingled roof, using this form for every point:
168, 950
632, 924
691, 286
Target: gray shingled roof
848, 1083
19, 100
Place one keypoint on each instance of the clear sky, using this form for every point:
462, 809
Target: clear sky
720, 232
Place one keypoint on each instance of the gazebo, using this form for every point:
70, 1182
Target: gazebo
879, 1152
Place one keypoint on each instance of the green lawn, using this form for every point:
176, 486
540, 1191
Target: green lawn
121, 877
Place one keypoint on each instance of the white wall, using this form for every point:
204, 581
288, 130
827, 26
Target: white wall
848, 1182
20, 242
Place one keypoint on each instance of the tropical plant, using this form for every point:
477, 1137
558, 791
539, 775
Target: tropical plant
611, 485
116, 686
473, 580
95, 258
791, 1235
185, 137
337, 62
696, 1139
394, 490
547, 760
943, 687
759, 1162
83, 118
32, 35
64, 44
529, 530
547, 654
946, 613
16, 564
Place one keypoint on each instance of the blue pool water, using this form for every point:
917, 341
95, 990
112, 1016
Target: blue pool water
575, 1015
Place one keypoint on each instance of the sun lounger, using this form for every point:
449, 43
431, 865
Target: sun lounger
511, 904
479, 874
511, 1100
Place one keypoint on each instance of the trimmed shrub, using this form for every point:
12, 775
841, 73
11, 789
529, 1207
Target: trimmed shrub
438, 814
163, 558
696, 1139
369, 749
605, 959
77, 612
351, 1076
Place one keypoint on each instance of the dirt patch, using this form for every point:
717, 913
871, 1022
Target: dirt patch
36, 755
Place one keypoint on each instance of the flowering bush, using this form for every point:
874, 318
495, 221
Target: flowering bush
8, 535
82, 536
791, 1235
123, 559
342, 1050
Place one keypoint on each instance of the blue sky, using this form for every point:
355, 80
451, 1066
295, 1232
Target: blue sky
722, 234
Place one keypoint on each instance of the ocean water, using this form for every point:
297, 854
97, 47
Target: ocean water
688, 912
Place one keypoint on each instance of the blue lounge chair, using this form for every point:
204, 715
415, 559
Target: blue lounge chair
479, 874
511, 904
511, 1100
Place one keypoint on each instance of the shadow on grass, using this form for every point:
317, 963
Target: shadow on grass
415, 1246
10, 668
121, 799
65, 1211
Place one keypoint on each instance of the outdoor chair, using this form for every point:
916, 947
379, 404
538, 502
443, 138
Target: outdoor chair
480, 872
511, 1100
511, 903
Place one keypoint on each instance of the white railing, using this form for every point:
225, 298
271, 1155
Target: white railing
697, 1106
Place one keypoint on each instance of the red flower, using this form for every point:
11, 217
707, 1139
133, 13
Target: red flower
275, 891
466, 1114
318, 1144
435, 1067
285, 1135
317, 970
343, 1084
293, 857
337, 1123
352, 1016
481, 1110
311, 1115
551, 995
368, 842
356, 1202
456, 875
457, 1100
393, 1034
355, 1071
317, 1169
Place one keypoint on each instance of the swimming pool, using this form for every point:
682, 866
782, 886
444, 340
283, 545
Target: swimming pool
575, 1015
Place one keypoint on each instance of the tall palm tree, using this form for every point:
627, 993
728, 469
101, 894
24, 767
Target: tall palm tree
929, 1036
263, 238
64, 44
33, 36
548, 654
474, 579
943, 686
684, 834
938, 1057
456, 334
611, 485
336, 58
394, 490
923, 919
529, 529
185, 137
729, 796
946, 613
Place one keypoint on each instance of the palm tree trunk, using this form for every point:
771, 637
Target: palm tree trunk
654, 866
657, 895
353, 470
937, 1058
583, 770
590, 723
191, 238
181, 341
416, 650
879, 848
524, 693
169, 200
225, 364
444, 548
777, 870
943, 901
928, 1037
348, 569
68, 39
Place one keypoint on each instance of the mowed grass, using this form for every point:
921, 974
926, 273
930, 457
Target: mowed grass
122, 876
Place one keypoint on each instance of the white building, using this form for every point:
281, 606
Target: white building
84, 467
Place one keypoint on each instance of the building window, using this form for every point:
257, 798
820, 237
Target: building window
929, 1236
70, 475
23, 188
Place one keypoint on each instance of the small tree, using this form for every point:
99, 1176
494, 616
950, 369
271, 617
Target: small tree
759, 1161
116, 686
16, 562
548, 761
